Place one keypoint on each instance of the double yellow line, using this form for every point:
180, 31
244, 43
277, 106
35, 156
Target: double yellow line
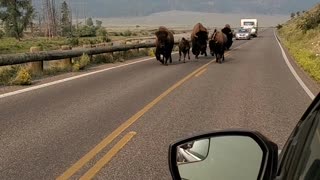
106, 141
92, 153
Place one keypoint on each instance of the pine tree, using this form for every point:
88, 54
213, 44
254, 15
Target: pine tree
16, 16
66, 24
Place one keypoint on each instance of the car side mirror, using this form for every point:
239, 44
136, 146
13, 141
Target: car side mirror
228, 155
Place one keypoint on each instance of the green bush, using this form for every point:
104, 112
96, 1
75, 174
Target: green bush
103, 58
81, 63
151, 53
101, 32
23, 77
117, 34
279, 26
86, 31
310, 20
73, 41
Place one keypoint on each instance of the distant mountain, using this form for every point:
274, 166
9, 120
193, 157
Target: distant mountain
129, 8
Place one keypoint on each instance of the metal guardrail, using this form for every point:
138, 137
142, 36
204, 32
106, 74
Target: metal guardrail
20, 58
12, 59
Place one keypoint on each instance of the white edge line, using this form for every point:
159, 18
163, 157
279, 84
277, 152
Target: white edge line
70, 78
306, 89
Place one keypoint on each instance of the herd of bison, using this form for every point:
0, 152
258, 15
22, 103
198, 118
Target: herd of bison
218, 43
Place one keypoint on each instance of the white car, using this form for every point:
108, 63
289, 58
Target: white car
243, 34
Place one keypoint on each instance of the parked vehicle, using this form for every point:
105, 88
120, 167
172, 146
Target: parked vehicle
251, 24
243, 34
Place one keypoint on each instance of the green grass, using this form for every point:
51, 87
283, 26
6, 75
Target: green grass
11, 45
303, 45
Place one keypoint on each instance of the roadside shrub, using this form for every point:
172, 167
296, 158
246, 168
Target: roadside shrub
151, 53
116, 34
73, 41
7, 74
101, 32
143, 52
23, 77
310, 20
86, 31
118, 56
279, 26
102, 58
81, 63
104, 39
127, 33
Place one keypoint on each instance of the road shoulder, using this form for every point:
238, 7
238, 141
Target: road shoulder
309, 82
58, 77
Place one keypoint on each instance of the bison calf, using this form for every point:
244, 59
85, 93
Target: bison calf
184, 47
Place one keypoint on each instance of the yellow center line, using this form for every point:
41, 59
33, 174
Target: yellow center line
201, 72
86, 158
107, 157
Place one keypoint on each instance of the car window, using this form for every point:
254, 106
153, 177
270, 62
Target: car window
243, 30
249, 23
299, 157
310, 158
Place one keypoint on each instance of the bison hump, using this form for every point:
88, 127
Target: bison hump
198, 28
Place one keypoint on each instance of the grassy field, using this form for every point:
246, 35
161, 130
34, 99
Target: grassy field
304, 45
11, 45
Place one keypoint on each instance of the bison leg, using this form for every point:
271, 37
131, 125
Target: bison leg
179, 55
205, 54
170, 58
189, 54
166, 63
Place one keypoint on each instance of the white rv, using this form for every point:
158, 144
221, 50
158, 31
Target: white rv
251, 24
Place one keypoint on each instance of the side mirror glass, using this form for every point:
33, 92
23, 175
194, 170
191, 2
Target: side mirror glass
221, 155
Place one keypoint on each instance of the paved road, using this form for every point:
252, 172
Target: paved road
45, 131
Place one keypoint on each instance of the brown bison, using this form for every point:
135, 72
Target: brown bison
184, 47
217, 45
228, 32
164, 45
199, 38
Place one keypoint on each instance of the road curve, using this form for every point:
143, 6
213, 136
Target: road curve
45, 131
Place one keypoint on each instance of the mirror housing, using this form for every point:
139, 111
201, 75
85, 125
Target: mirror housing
268, 169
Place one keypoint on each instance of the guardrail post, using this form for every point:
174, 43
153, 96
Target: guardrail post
66, 63
35, 67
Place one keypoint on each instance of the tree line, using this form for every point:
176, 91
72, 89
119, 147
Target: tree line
16, 16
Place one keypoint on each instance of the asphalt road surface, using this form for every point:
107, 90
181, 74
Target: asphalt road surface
118, 124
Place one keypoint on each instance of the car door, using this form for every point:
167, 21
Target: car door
300, 158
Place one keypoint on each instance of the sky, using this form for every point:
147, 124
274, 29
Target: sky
132, 8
